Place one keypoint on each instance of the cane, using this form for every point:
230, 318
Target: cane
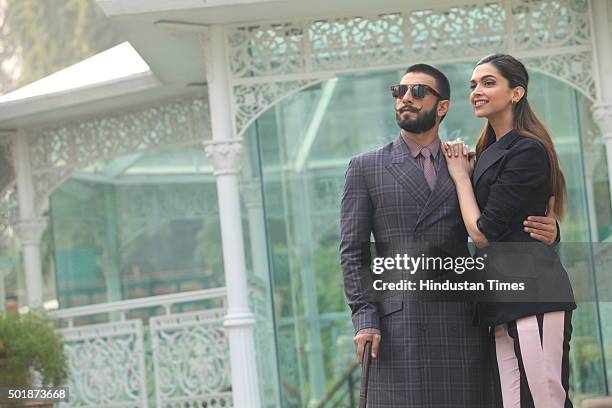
365, 373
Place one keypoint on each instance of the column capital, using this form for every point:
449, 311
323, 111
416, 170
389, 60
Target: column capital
29, 231
602, 113
225, 155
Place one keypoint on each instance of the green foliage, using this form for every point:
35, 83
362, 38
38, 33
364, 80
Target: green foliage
53, 34
29, 342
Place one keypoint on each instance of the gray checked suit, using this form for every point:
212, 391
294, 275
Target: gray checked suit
431, 356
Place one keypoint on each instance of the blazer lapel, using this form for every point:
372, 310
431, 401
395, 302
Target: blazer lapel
407, 172
492, 154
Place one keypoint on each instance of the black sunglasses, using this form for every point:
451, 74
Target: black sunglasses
418, 91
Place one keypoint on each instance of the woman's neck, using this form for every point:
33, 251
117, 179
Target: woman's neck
502, 123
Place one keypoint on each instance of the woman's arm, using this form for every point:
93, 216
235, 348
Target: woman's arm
525, 170
469, 209
460, 170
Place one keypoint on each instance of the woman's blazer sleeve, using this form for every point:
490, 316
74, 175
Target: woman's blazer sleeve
524, 172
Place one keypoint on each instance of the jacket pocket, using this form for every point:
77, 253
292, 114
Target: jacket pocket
389, 306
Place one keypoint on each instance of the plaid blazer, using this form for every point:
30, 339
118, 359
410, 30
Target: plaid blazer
430, 354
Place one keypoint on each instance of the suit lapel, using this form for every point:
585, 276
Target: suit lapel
443, 188
492, 154
407, 172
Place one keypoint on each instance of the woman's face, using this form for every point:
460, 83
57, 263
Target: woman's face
490, 92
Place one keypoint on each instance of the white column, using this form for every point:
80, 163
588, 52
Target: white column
602, 50
28, 227
225, 153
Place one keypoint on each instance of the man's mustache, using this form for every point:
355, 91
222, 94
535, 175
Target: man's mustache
408, 108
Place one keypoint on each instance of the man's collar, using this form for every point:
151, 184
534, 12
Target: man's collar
415, 148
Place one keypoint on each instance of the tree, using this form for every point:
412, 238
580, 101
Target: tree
50, 35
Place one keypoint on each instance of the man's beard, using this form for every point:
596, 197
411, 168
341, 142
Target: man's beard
422, 123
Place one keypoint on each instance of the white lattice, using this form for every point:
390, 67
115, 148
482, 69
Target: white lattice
191, 359
573, 69
268, 61
58, 151
252, 100
433, 33
553, 23
106, 364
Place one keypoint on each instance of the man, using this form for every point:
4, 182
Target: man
425, 354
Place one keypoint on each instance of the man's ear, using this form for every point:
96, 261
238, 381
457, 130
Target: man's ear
443, 107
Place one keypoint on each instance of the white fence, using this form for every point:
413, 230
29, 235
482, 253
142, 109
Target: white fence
138, 357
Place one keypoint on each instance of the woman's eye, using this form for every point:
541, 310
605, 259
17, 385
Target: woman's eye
489, 83
472, 86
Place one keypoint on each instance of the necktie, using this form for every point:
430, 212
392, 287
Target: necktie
428, 168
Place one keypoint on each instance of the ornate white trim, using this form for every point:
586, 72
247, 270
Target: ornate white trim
106, 364
271, 60
80, 143
56, 152
225, 155
29, 231
191, 359
251, 100
602, 113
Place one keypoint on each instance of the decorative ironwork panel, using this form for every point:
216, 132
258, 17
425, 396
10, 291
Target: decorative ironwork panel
191, 359
540, 24
253, 99
104, 138
573, 69
106, 364
269, 61
437, 33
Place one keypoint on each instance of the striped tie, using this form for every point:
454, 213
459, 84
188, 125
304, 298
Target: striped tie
428, 168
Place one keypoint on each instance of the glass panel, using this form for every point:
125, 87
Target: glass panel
305, 143
137, 226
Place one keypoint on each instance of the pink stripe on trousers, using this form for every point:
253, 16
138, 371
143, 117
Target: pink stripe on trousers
542, 361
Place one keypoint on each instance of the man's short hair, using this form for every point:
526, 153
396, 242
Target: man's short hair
441, 80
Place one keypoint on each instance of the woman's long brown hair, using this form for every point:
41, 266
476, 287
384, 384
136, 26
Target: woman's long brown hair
526, 123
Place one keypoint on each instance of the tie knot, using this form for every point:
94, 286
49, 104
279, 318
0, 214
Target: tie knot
425, 152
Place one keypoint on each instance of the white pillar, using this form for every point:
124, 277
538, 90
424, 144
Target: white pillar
602, 49
225, 153
29, 227
28, 232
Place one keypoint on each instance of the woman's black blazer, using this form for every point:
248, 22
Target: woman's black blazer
512, 181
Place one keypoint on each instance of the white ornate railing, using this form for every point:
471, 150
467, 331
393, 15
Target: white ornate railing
181, 360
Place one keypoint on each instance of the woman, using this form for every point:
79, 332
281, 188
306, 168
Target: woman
516, 171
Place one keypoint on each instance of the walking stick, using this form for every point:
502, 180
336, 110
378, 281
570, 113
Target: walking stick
365, 373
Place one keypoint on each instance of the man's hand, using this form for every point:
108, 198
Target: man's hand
363, 336
543, 228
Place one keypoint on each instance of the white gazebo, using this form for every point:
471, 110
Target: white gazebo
200, 74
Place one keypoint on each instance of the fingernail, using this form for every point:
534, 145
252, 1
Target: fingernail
373, 355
